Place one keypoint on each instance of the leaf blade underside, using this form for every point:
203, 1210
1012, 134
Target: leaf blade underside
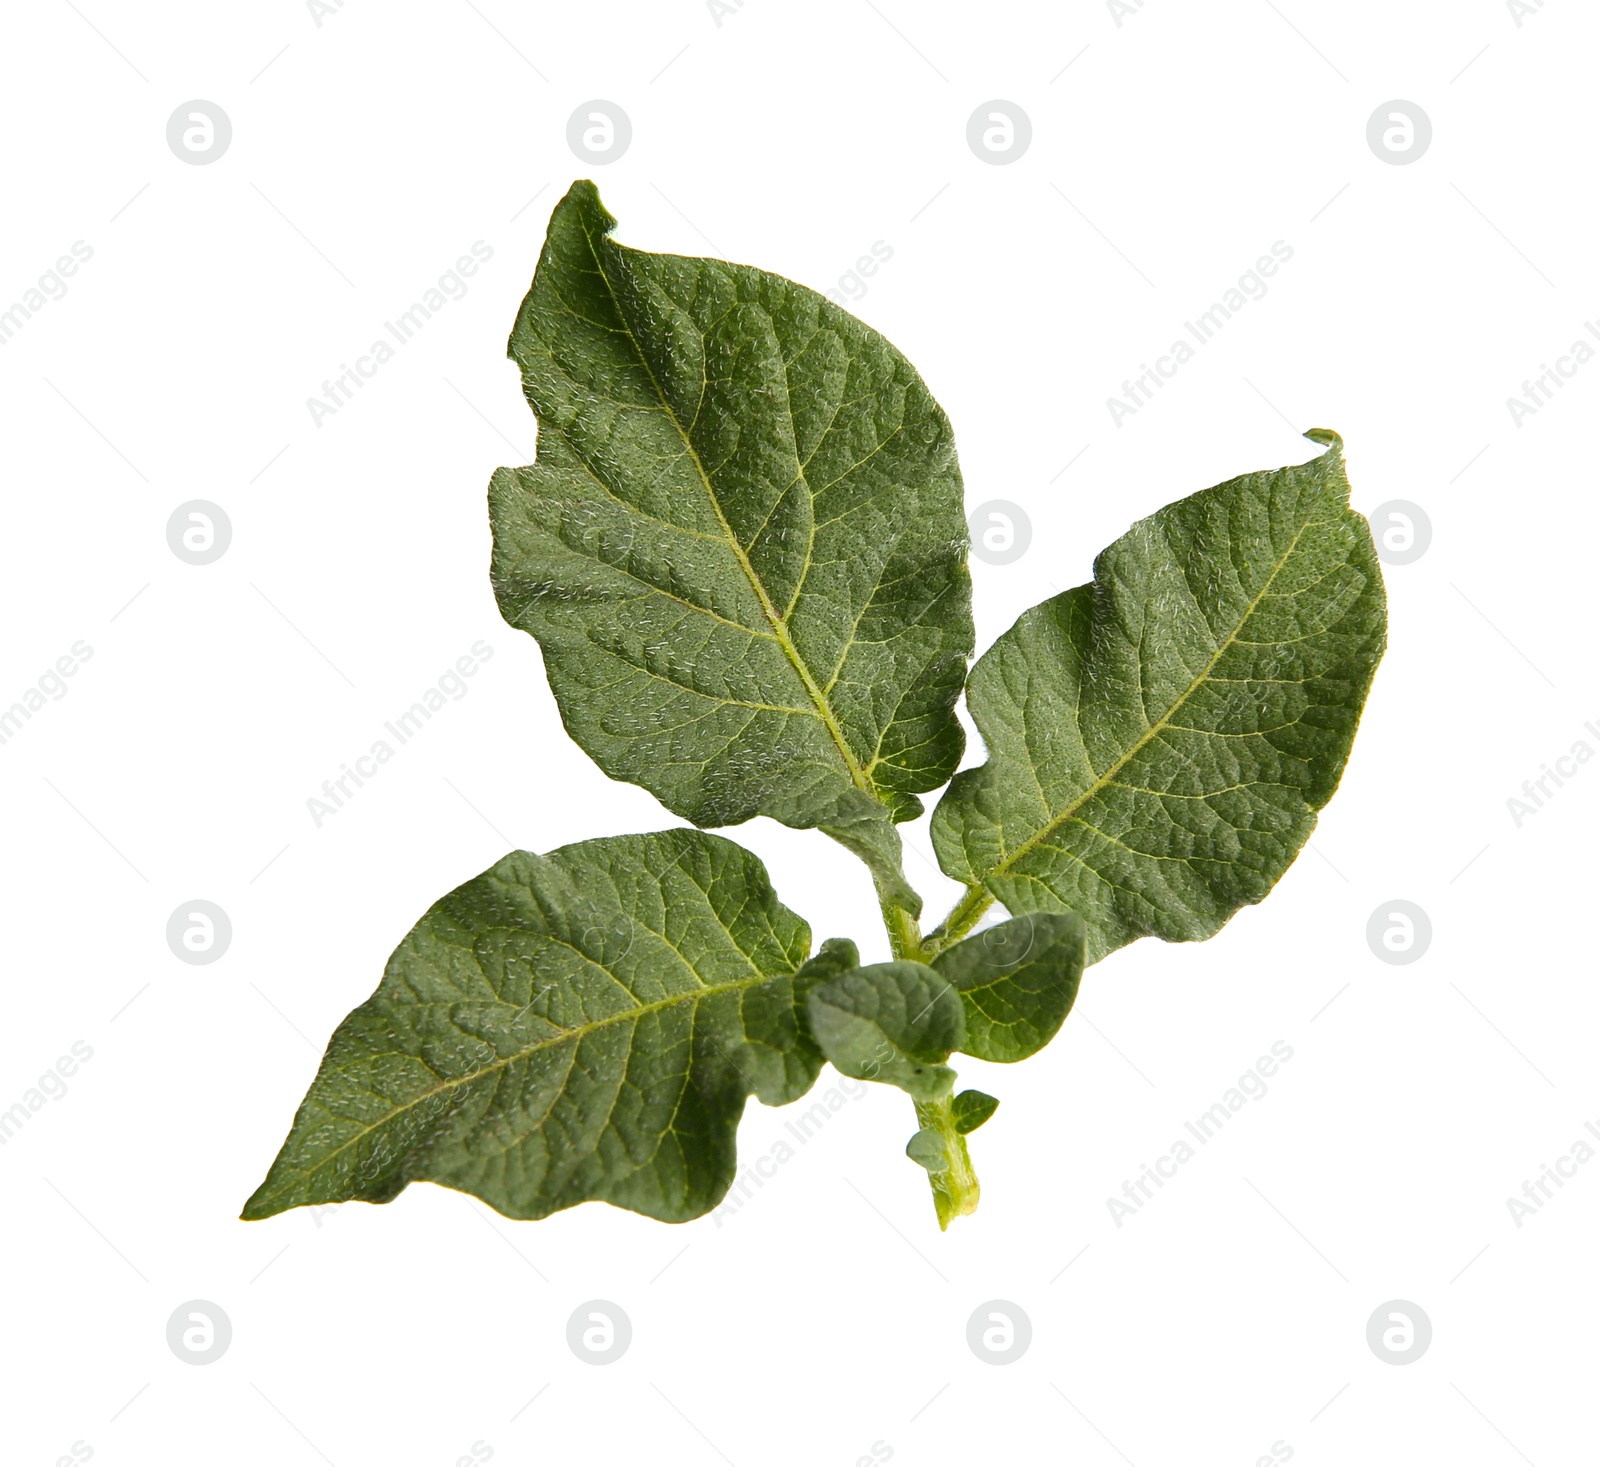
1017, 982
1161, 739
580, 1026
893, 1022
742, 545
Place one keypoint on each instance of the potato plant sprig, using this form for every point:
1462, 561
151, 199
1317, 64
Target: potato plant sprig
742, 551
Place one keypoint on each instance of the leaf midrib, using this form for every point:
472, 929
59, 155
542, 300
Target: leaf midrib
573, 1035
780, 627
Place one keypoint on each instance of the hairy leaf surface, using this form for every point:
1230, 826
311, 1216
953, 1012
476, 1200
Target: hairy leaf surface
1161, 739
971, 1108
927, 1148
1017, 982
742, 546
892, 1022
583, 1025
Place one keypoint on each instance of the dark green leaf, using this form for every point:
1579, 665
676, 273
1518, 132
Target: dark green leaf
1017, 981
892, 1022
972, 1108
583, 1025
742, 547
836, 955
1161, 739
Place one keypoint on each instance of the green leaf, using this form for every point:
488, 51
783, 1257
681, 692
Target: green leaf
870, 837
836, 955
972, 1108
1161, 739
1017, 982
583, 1025
742, 547
892, 1022
927, 1149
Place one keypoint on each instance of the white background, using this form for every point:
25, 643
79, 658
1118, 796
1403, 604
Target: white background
828, 1314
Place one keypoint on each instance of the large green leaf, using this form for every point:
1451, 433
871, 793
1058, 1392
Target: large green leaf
1017, 982
1161, 739
742, 547
583, 1025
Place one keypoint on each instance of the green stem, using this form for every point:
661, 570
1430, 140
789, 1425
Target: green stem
962, 919
905, 936
955, 1189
